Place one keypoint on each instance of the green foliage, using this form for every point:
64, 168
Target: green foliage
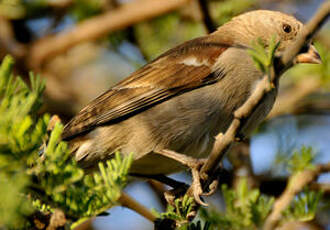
12, 9
180, 211
18, 9
245, 208
303, 207
20, 132
324, 68
223, 11
319, 71
164, 32
83, 9
117, 37
21, 135
67, 187
301, 160
54, 180
262, 57
297, 161
13, 207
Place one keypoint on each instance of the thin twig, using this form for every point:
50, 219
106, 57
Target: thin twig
324, 187
224, 141
128, 202
295, 184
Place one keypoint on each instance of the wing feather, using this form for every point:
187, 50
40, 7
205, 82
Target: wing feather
165, 77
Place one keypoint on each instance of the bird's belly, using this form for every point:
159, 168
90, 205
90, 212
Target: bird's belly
154, 163
260, 113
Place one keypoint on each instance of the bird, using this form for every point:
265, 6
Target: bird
183, 98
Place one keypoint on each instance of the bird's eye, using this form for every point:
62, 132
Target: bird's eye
287, 28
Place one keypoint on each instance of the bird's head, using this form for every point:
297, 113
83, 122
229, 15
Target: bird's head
264, 24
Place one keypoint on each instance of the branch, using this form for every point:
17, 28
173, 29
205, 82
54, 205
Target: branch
317, 103
295, 184
224, 141
99, 26
128, 202
324, 187
60, 3
8, 43
207, 19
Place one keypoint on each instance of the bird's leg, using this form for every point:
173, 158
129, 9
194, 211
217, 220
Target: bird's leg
194, 165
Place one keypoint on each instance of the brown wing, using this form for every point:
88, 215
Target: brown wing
179, 70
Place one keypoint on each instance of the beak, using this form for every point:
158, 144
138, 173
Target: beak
311, 56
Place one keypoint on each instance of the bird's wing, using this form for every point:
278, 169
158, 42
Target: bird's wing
181, 69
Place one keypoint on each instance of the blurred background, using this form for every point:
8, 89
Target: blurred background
83, 47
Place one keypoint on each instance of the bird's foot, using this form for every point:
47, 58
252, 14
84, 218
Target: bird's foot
196, 188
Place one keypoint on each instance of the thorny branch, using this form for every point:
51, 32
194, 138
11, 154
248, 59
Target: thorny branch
295, 184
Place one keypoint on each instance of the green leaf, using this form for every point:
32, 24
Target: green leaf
224, 10
246, 209
6, 69
303, 207
301, 160
263, 54
180, 211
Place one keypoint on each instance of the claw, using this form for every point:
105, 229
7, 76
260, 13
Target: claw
197, 187
212, 188
199, 201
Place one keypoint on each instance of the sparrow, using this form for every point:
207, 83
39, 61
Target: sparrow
182, 99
